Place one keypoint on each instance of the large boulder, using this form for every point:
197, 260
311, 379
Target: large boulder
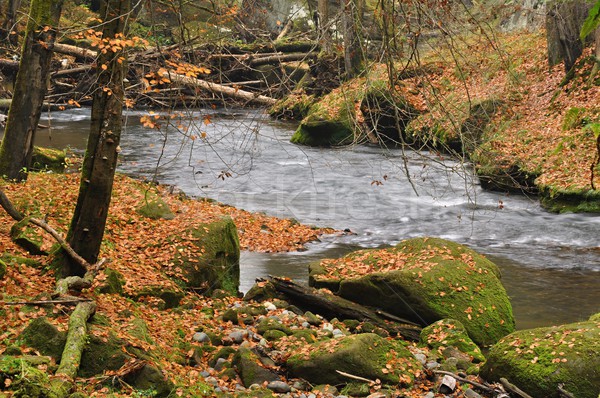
361, 110
365, 355
538, 360
214, 261
424, 280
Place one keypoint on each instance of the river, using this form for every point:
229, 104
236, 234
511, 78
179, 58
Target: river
550, 263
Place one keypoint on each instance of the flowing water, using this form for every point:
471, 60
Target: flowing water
550, 263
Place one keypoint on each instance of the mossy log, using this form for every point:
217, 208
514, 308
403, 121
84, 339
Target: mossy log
331, 306
61, 385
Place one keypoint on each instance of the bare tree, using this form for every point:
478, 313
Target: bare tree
30, 89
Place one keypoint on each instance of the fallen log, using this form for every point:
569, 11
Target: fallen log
72, 71
8, 66
62, 383
74, 51
332, 306
279, 58
219, 89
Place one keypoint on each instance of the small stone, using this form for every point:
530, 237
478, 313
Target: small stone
212, 381
470, 393
301, 385
269, 306
204, 374
312, 318
220, 364
201, 337
337, 333
421, 358
255, 386
305, 324
279, 387
328, 326
432, 365
238, 336
429, 395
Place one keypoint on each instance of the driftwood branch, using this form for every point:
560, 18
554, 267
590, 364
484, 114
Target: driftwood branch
331, 306
77, 52
514, 389
278, 58
351, 376
219, 89
62, 383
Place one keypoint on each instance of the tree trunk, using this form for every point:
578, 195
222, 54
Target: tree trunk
563, 24
98, 170
30, 89
9, 22
352, 22
324, 31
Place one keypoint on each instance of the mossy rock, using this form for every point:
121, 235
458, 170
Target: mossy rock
273, 335
569, 201
218, 267
113, 284
431, 279
26, 380
272, 324
294, 106
451, 333
249, 368
150, 378
495, 175
261, 291
44, 337
100, 355
169, 296
27, 237
10, 259
44, 159
473, 127
538, 360
366, 355
2, 269
154, 207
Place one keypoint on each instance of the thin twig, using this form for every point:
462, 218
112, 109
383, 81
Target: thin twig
351, 376
564, 393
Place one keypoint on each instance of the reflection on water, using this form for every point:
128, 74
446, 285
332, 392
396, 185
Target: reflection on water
550, 262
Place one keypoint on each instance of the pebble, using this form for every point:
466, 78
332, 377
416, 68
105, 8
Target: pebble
201, 337
212, 381
432, 365
305, 324
238, 336
204, 374
220, 364
429, 395
279, 387
471, 394
337, 333
269, 306
328, 326
421, 358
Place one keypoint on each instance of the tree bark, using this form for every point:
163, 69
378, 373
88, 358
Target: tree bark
332, 306
30, 89
9, 22
352, 21
324, 31
89, 219
220, 89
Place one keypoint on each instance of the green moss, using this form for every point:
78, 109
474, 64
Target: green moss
26, 380
451, 333
170, 297
249, 368
2, 269
44, 337
573, 118
363, 355
272, 324
569, 201
218, 267
11, 259
113, 283
295, 106
27, 237
457, 283
102, 354
537, 360
154, 207
44, 159
273, 335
